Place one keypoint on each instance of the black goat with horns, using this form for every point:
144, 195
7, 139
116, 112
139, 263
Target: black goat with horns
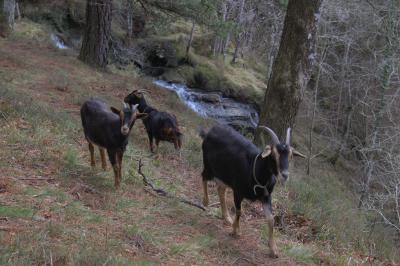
109, 129
159, 125
237, 163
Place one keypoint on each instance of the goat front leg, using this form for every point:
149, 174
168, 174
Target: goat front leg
92, 160
267, 207
238, 206
112, 156
224, 210
103, 158
119, 161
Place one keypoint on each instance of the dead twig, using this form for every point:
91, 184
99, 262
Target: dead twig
9, 228
4, 116
162, 192
215, 204
244, 259
36, 178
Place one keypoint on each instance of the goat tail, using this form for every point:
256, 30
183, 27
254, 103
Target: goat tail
202, 132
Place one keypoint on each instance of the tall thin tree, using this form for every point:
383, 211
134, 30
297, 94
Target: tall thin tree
291, 69
7, 16
96, 39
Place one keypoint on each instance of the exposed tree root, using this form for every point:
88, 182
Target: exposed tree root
164, 193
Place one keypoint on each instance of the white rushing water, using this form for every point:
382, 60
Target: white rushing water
213, 105
58, 42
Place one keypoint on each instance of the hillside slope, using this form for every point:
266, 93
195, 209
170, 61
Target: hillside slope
55, 210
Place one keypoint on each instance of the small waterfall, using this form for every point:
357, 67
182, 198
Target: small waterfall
212, 104
58, 42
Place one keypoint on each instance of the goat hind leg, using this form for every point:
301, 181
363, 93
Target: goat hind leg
224, 210
103, 158
151, 142
92, 160
238, 207
205, 193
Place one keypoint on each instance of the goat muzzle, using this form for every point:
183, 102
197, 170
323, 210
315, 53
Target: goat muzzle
124, 130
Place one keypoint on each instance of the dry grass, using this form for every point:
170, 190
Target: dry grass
55, 209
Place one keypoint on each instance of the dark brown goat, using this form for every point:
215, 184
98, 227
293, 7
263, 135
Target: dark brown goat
237, 163
159, 125
109, 130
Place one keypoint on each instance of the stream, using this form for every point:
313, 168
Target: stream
58, 42
241, 116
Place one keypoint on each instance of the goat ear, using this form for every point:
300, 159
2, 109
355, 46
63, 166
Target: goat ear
296, 153
115, 110
141, 115
267, 151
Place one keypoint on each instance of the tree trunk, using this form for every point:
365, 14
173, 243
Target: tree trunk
95, 44
291, 69
216, 46
237, 47
17, 11
190, 41
238, 36
129, 18
9, 11
226, 44
7, 17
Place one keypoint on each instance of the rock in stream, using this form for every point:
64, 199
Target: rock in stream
241, 116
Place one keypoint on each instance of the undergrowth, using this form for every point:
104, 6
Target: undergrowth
78, 218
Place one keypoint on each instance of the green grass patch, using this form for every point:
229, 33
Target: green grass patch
332, 208
133, 231
30, 31
177, 249
15, 211
125, 203
70, 159
300, 253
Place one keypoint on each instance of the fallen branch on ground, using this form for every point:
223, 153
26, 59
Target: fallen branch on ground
162, 192
36, 178
4, 116
10, 228
243, 259
214, 204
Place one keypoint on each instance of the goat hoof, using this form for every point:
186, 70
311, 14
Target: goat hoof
274, 255
228, 221
205, 202
272, 247
234, 235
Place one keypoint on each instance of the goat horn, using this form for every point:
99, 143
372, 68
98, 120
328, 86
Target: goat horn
274, 137
144, 91
288, 136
